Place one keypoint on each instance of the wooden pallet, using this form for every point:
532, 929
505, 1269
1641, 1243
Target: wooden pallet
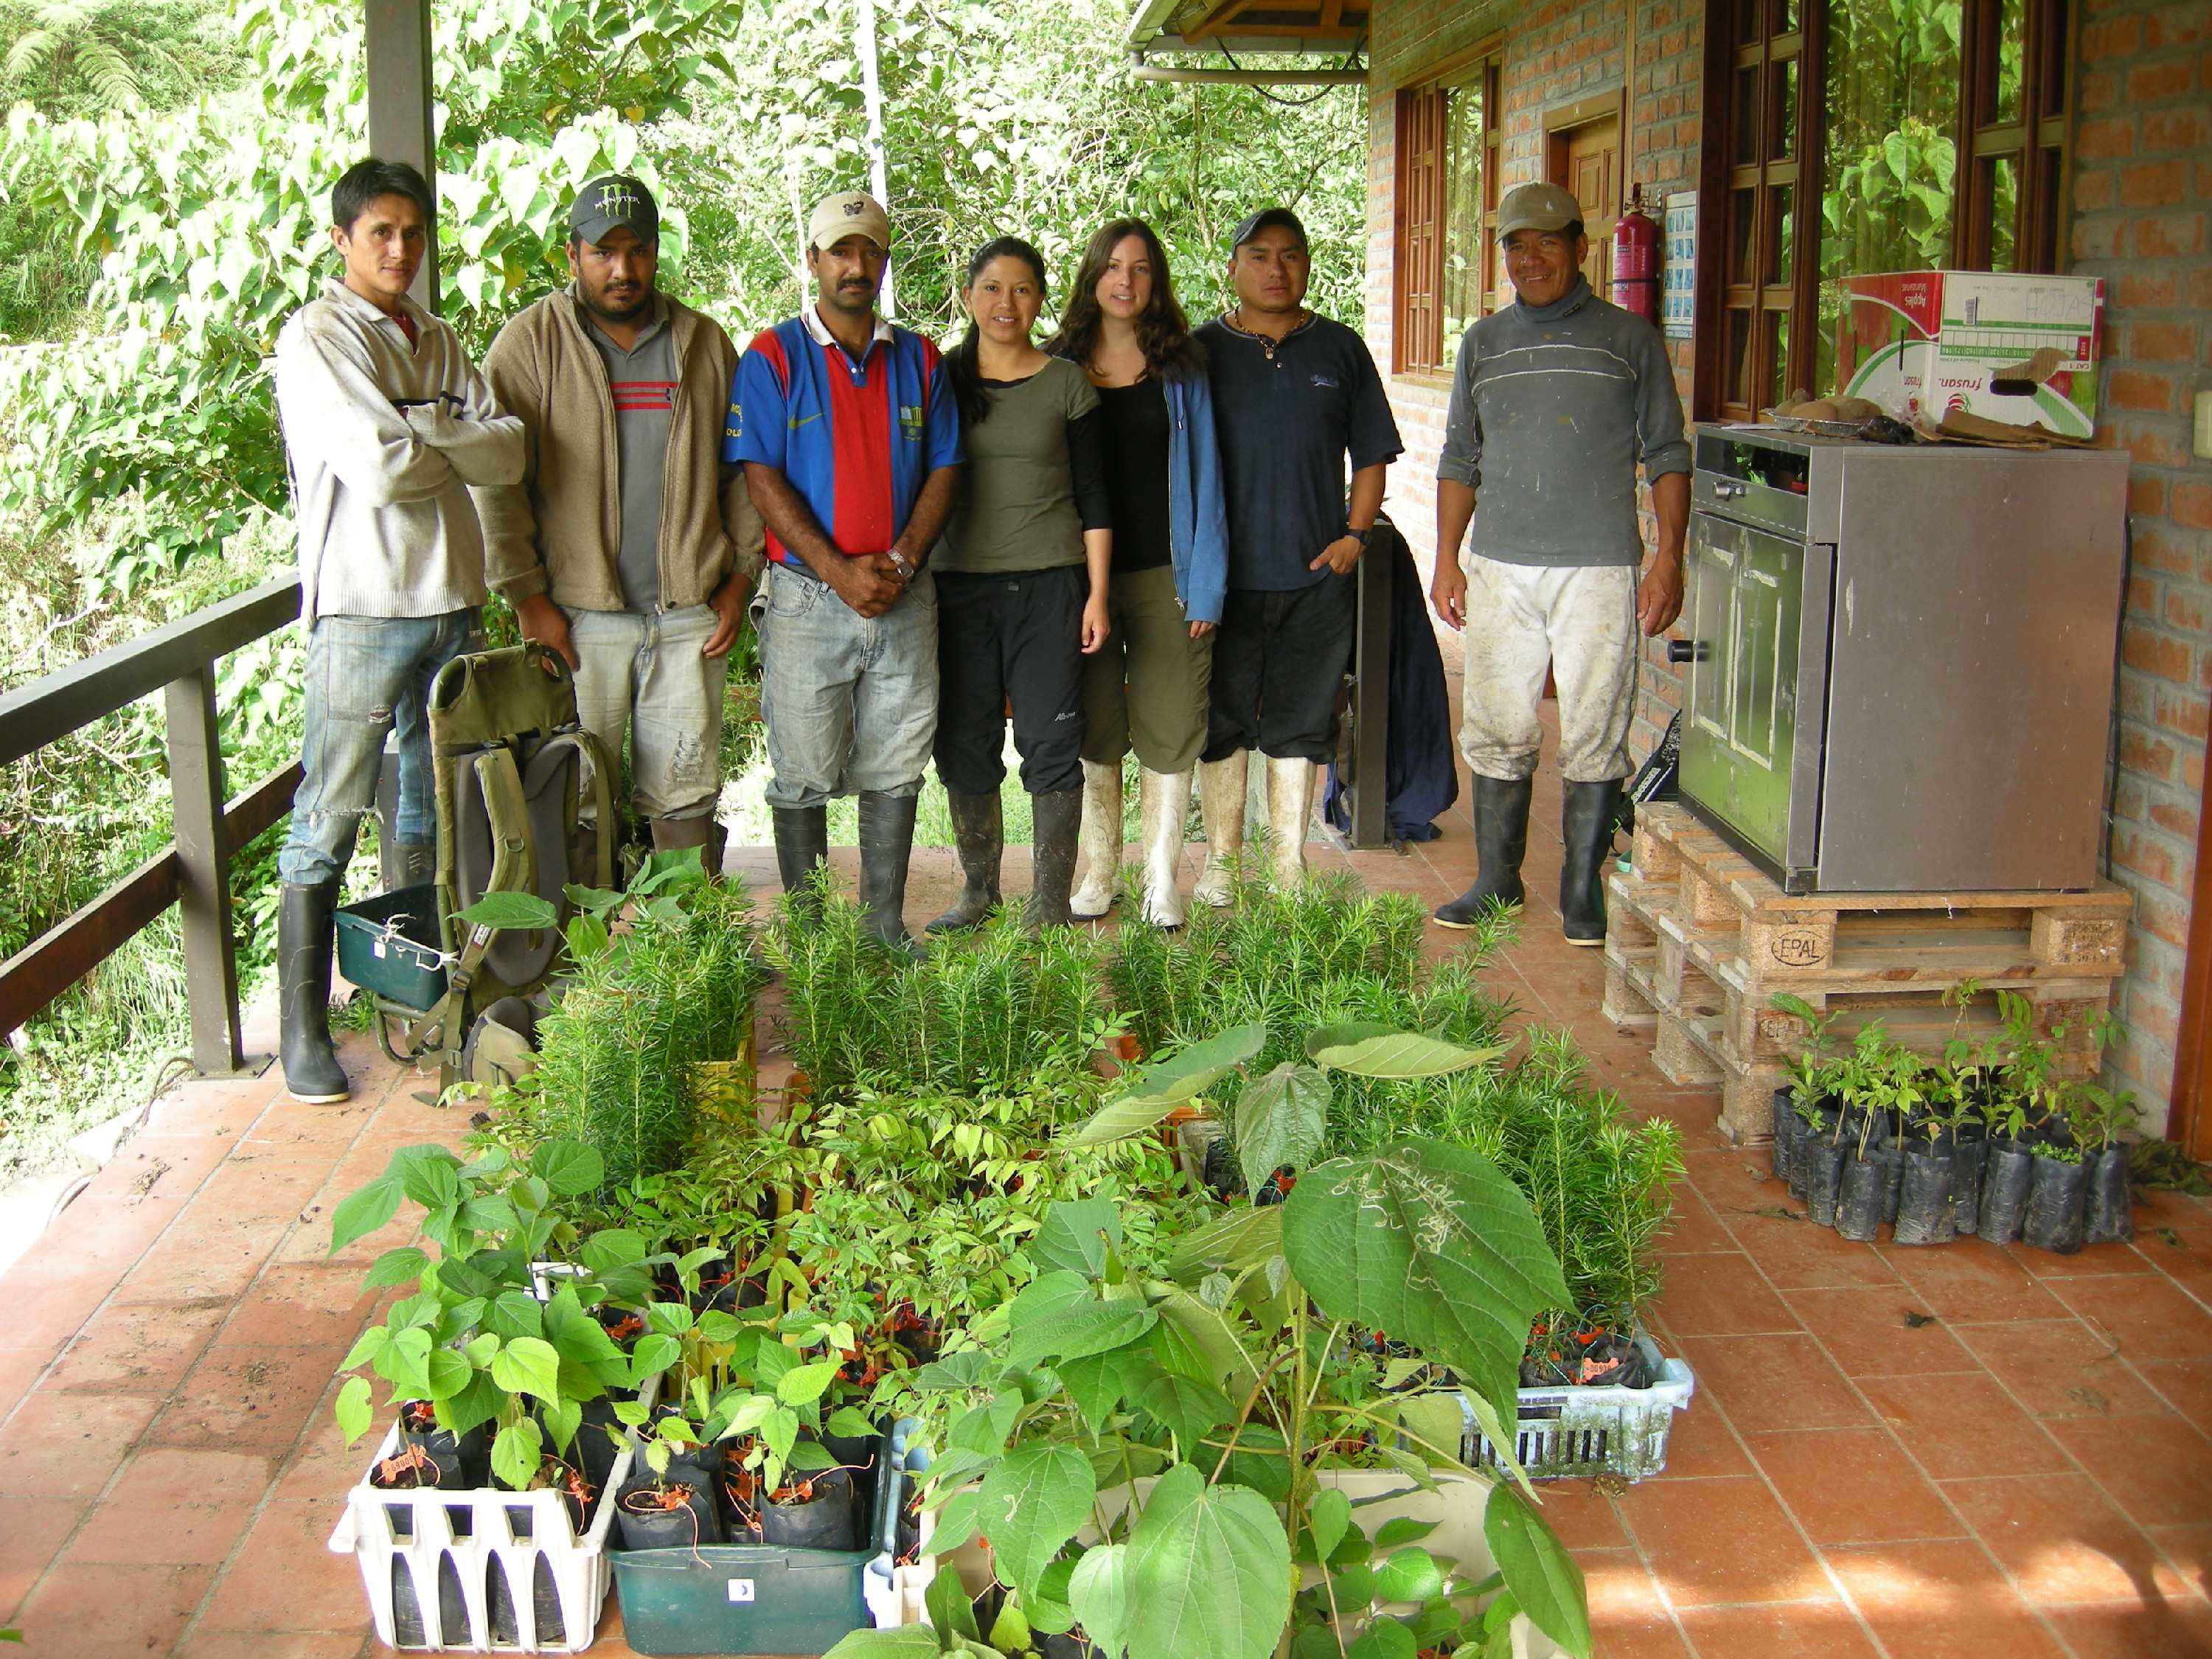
1700, 941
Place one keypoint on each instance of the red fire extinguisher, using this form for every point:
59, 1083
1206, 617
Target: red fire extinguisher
1636, 259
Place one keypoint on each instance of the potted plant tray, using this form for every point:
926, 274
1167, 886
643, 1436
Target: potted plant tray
1378, 1496
756, 1599
1579, 1432
483, 1570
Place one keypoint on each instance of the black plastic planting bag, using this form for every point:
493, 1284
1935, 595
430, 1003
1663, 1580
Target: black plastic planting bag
1861, 1195
824, 1523
1823, 1162
1785, 1125
1892, 1165
1924, 1209
2007, 1169
1806, 1140
646, 1526
2056, 1201
2106, 1220
1966, 1157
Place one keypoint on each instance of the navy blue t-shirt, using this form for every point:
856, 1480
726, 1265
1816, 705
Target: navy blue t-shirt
1286, 415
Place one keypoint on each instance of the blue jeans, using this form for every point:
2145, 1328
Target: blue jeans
368, 676
849, 702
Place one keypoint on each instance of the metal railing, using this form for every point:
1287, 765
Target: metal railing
193, 870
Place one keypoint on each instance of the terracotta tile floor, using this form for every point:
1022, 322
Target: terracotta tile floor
2027, 1473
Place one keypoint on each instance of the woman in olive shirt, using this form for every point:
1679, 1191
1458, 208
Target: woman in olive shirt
1021, 587
1147, 688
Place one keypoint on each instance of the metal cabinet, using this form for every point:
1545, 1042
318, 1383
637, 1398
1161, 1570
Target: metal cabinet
1747, 588
1899, 667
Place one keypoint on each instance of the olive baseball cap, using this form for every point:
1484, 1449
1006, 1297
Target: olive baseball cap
1537, 207
855, 213
616, 199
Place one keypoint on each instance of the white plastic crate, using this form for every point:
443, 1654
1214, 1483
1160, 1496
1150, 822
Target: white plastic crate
1577, 1431
472, 1559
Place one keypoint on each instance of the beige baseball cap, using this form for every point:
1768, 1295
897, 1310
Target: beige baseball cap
855, 213
1537, 207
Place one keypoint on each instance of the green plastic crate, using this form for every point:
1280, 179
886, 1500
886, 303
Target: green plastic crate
388, 945
740, 1599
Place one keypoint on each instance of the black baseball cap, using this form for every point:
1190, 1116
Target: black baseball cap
616, 199
1273, 218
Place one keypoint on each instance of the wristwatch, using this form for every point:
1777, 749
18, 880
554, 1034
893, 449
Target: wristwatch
907, 572
1359, 536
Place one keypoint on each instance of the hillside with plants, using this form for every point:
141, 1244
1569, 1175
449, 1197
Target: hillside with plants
166, 170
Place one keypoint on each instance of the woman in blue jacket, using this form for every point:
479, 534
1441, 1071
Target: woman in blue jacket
1147, 688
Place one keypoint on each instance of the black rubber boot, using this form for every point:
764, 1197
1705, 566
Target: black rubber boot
406, 864
1501, 842
886, 844
304, 935
979, 829
1586, 827
677, 835
802, 847
1055, 821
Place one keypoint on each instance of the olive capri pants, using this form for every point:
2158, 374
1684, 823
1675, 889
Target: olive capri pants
1147, 687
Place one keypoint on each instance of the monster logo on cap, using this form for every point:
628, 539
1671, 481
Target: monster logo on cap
616, 199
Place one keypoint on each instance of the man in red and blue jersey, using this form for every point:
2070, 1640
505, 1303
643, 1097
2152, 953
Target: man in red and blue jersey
850, 440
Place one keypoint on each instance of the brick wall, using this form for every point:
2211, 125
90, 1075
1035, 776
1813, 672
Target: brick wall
2143, 179
1555, 53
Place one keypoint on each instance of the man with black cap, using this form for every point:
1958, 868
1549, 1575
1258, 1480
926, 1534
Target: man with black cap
1555, 400
850, 439
629, 546
1293, 393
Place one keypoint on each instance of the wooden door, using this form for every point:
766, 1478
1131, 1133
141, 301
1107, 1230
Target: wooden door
1586, 159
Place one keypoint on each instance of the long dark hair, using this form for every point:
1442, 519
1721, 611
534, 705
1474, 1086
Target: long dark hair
967, 381
1163, 330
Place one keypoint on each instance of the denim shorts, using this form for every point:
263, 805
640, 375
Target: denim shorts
849, 701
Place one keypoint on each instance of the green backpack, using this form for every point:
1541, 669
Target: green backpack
511, 763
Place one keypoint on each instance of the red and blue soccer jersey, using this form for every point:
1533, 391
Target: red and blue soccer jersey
855, 442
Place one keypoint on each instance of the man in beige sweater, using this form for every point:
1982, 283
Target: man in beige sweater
627, 546
387, 427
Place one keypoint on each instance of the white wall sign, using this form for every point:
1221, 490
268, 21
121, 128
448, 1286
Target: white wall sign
1677, 286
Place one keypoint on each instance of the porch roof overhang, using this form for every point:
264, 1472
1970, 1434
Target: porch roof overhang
1275, 28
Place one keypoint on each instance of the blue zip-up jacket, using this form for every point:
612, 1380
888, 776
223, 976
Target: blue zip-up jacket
1198, 519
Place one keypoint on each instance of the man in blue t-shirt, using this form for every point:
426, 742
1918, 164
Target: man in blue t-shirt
850, 440
1293, 395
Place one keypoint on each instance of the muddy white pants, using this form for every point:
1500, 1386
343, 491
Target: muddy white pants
1580, 622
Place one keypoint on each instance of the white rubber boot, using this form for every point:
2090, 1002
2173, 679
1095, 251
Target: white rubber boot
1289, 812
1164, 801
1101, 841
1221, 787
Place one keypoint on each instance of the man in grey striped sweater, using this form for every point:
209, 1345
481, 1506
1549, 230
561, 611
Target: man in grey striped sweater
1555, 400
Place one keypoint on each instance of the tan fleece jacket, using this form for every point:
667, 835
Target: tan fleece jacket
382, 436
559, 531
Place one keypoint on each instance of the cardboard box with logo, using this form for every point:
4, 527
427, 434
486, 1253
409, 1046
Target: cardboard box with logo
2018, 348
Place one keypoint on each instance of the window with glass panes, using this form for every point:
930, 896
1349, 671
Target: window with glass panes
1934, 141
1446, 257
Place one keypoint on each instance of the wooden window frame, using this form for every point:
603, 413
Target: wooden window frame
1420, 211
1720, 298
2038, 141
2034, 140
1418, 233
